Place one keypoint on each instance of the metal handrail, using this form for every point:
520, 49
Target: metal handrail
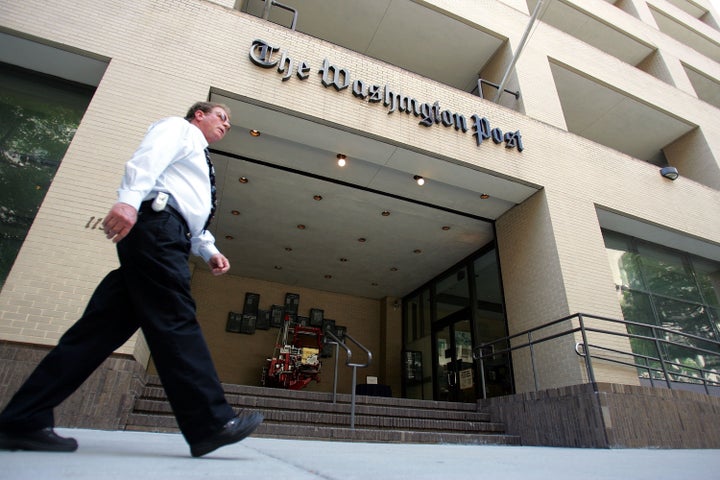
580, 350
337, 342
272, 3
586, 350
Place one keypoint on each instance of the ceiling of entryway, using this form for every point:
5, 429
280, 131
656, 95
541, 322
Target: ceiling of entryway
366, 229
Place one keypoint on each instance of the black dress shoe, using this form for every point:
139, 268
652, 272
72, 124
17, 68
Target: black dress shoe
232, 432
45, 440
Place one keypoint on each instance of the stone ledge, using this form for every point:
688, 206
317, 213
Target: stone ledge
104, 401
610, 416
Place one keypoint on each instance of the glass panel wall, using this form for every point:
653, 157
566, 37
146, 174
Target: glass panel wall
452, 293
40, 116
417, 365
444, 321
490, 323
661, 287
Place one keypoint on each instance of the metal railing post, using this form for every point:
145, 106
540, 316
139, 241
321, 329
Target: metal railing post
337, 354
482, 378
588, 362
532, 360
662, 360
352, 397
270, 3
354, 366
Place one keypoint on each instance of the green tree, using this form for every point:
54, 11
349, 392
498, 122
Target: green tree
34, 137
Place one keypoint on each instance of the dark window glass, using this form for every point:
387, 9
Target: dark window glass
452, 293
665, 273
624, 263
39, 117
676, 291
708, 278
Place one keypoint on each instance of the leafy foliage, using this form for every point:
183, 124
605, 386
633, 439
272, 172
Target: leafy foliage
37, 128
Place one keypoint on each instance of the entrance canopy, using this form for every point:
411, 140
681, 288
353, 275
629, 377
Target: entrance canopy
288, 213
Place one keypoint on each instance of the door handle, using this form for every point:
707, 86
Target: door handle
452, 378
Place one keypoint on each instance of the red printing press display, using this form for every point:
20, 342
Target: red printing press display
296, 358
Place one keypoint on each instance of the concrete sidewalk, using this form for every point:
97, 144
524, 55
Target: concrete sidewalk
107, 455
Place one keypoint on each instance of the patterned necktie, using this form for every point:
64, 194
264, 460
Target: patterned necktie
213, 193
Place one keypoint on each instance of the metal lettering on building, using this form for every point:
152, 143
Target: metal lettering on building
264, 55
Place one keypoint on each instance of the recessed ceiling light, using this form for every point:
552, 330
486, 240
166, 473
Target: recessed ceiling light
328, 276
484, 196
288, 249
446, 228
301, 226
343, 259
235, 212
393, 269
277, 267
417, 250
420, 180
255, 133
362, 240
243, 180
229, 237
341, 159
317, 197
385, 213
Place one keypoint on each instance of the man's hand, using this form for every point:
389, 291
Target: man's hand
119, 221
219, 264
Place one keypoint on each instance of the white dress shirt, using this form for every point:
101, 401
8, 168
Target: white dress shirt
171, 159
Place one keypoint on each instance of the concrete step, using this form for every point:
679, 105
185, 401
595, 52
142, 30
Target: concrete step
317, 415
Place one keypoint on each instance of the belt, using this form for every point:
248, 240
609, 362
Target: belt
170, 207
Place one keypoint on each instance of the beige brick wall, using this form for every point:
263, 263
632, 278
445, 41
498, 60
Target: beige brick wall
551, 249
692, 156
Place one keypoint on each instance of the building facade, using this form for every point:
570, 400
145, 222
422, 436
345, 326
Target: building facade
569, 152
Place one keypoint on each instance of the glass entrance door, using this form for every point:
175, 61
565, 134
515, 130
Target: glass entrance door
454, 365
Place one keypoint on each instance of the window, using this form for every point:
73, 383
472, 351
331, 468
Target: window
461, 306
40, 116
658, 286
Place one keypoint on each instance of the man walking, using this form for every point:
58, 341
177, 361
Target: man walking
165, 202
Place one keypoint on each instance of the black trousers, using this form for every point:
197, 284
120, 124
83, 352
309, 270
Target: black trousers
151, 291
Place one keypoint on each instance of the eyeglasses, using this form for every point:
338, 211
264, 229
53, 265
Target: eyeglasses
223, 116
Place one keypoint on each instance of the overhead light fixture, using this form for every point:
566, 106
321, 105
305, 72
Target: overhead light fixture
255, 133
385, 213
484, 196
243, 180
420, 180
341, 159
669, 172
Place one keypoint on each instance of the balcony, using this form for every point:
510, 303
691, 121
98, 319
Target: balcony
399, 32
